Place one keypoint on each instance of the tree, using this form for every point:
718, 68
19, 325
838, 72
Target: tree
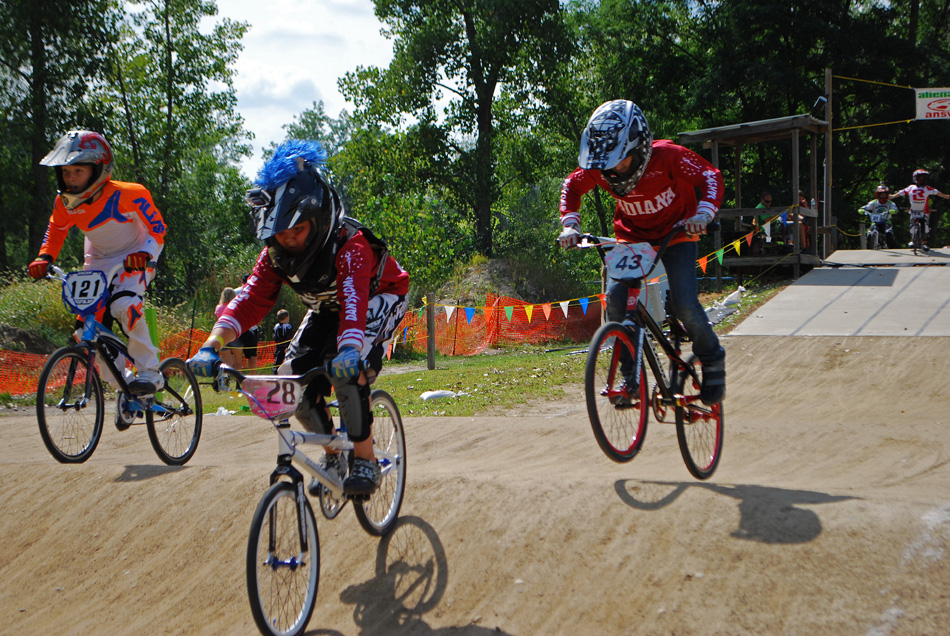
49, 51
456, 56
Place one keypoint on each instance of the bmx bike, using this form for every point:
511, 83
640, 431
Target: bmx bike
70, 406
283, 550
615, 381
877, 233
917, 235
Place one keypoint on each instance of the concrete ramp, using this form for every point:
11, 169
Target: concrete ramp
862, 293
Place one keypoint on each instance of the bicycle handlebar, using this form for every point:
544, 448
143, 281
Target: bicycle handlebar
224, 372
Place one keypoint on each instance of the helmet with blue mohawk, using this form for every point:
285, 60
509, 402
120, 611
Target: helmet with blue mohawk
290, 191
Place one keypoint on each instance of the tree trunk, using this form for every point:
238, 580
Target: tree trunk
40, 206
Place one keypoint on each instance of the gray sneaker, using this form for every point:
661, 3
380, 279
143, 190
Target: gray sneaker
365, 478
124, 417
334, 464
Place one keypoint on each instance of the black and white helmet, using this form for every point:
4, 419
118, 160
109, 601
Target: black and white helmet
292, 191
80, 147
615, 130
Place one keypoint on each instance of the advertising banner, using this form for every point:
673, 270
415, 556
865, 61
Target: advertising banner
932, 103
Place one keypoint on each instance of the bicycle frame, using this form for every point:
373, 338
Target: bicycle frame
289, 442
642, 318
97, 338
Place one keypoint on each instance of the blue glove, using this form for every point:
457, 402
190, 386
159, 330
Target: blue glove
205, 363
346, 364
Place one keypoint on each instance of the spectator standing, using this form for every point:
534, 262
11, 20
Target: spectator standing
283, 332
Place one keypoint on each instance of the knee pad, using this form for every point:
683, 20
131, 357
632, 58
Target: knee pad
355, 410
312, 414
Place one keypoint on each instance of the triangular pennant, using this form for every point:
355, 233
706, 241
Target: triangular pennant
449, 310
735, 245
564, 304
748, 238
509, 310
719, 255
546, 308
603, 300
528, 310
489, 313
405, 334
583, 302
469, 314
702, 264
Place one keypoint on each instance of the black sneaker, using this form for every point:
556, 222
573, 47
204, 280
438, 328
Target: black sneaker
713, 389
364, 479
139, 386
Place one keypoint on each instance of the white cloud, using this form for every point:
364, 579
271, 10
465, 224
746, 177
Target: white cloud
294, 53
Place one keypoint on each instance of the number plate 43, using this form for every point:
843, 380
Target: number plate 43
85, 293
630, 261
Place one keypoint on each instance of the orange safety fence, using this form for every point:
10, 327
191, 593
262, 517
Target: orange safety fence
458, 331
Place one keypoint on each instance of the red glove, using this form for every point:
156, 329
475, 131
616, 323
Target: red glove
137, 261
38, 267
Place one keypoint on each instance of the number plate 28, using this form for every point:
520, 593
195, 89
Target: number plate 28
272, 396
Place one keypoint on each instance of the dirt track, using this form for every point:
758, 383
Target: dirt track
829, 514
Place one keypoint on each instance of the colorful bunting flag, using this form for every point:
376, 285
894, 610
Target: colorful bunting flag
469, 314
449, 310
564, 304
509, 310
546, 308
584, 302
528, 310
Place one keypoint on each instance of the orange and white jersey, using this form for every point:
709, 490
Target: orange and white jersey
122, 220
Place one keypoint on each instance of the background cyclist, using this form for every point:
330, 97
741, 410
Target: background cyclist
919, 193
880, 210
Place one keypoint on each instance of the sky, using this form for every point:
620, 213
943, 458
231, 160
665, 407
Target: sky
294, 52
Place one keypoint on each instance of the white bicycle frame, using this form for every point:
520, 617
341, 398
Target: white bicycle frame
290, 389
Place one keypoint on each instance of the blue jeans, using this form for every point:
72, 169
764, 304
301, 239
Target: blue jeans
680, 263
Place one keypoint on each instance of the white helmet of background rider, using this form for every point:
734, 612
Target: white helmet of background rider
75, 148
615, 130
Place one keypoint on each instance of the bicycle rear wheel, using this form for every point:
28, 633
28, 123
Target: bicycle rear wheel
379, 513
618, 415
915, 236
283, 566
174, 421
699, 428
70, 425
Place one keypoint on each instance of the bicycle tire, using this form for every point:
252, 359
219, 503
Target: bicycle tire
700, 434
379, 513
619, 420
174, 422
915, 236
282, 577
70, 429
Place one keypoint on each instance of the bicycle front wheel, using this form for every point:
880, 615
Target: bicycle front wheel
379, 513
616, 401
283, 562
70, 424
915, 236
174, 421
699, 428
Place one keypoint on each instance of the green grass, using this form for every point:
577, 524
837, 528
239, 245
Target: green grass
494, 383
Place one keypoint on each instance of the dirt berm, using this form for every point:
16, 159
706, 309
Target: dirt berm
829, 514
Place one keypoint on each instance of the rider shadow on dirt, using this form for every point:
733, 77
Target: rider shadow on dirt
141, 472
411, 578
766, 515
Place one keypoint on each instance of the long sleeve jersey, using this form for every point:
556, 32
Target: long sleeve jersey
919, 197
665, 194
356, 265
121, 221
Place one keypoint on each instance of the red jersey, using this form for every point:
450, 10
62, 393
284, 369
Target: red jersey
122, 220
665, 194
356, 265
